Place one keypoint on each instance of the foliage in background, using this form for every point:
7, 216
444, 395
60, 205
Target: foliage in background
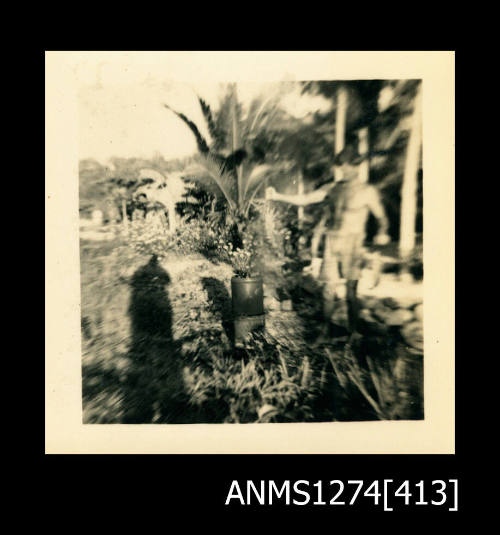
103, 186
197, 203
149, 235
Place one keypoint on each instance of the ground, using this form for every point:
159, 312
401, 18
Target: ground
157, 347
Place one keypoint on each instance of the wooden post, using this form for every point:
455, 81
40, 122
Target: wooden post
340, 123
300, 211
364, 168
300, 191
267, 212
124, 216
409, 186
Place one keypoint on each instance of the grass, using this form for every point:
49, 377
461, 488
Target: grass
157, 348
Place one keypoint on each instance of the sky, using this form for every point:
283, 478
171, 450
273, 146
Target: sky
121, 110
131, 121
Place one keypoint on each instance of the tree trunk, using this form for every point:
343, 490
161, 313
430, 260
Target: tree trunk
165, 197
235, 147
340, 123
409, 187
172, 221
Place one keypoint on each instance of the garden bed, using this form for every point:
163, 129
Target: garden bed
157, 348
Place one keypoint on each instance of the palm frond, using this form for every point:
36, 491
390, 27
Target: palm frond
260, 177
256, 176
208, 170
261, 114
235, 120
223, 123
200, 140
251, 197
207, 113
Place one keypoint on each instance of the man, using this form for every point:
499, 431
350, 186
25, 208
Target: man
349, 203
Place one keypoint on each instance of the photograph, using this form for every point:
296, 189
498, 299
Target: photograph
250, 252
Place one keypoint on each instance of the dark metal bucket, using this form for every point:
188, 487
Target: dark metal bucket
247, 296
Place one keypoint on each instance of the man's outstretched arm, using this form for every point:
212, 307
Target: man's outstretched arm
298, 200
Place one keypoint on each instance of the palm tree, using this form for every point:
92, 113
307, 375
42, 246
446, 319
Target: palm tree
122, 193
162, 189
236, 161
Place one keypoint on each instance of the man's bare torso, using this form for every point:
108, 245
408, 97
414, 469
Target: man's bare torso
349, 205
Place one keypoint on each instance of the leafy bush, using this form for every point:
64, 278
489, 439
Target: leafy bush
264, 239
150, 235
378, 386
268, 383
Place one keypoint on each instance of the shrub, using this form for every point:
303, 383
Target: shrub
376, 386
268, 383
150, 236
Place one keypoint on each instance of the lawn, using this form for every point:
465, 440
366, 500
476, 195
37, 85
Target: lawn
157, 348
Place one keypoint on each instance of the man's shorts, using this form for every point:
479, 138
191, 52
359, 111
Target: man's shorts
342, 258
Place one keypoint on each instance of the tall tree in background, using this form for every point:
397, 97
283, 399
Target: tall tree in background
379, 119
340, 123
409, 186
352, 117
339, 127
399, 140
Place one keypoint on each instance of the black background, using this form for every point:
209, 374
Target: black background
200, 483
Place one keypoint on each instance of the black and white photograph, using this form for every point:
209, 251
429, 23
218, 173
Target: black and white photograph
250, 251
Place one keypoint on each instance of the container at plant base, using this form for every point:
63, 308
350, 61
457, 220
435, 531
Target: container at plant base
245, 326
247, 296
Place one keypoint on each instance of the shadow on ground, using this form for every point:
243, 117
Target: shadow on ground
153, 389
220, 301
